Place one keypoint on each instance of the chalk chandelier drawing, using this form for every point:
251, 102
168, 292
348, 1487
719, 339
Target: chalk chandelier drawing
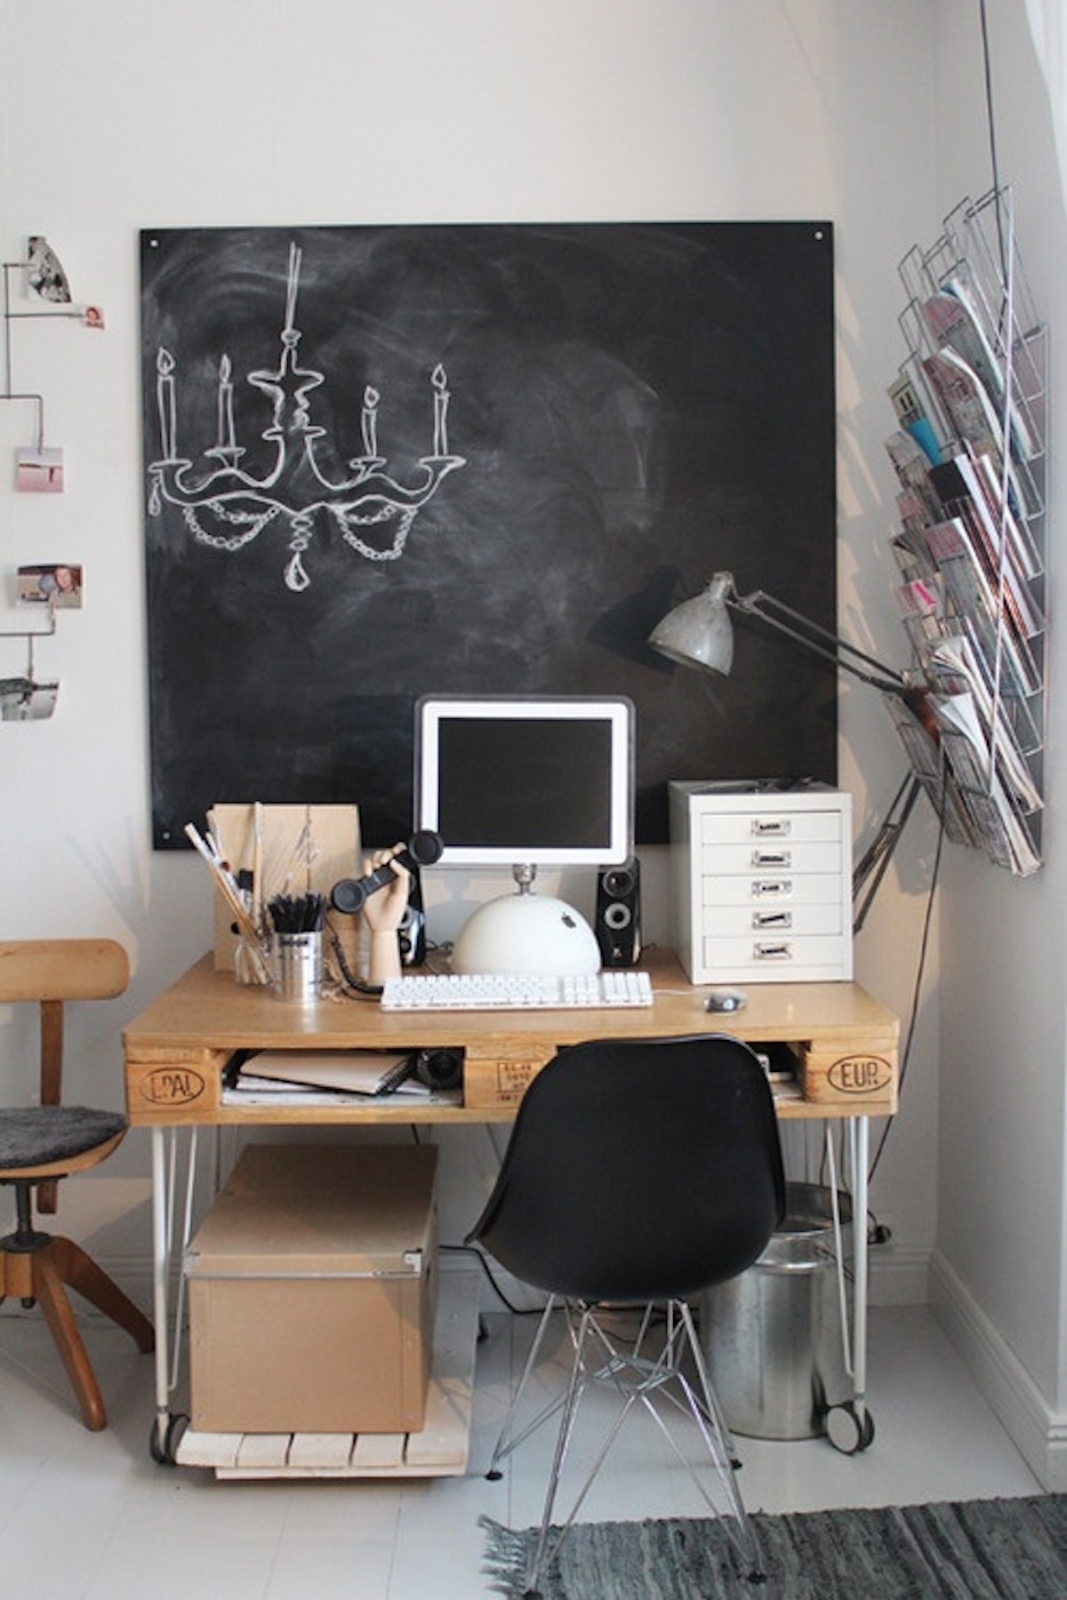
373, 511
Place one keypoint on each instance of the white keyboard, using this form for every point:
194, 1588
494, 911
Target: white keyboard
499, 991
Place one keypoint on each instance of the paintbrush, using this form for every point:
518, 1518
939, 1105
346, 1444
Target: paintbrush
246, 924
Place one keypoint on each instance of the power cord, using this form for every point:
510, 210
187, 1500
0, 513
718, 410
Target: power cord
349, 981
920, 973
472, 1250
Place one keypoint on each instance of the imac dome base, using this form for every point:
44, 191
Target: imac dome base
526, 933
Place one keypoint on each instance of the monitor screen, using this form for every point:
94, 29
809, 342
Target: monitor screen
510, 781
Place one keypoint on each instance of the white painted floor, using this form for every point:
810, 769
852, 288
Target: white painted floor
92, 1517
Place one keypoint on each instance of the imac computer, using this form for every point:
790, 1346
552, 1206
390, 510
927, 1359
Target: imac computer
523, 782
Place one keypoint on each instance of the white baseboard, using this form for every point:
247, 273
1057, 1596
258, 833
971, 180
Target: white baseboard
897, 1276
1038, 1432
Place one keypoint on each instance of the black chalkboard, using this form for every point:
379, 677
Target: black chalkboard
381, 461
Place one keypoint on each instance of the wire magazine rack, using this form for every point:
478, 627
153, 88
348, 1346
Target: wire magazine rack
970, 457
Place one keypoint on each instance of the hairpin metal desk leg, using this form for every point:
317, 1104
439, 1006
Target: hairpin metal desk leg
850, 1427
167, 1426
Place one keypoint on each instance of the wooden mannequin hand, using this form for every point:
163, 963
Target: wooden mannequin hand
384, 912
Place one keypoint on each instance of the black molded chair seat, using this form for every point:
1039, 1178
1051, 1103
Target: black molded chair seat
638, 1171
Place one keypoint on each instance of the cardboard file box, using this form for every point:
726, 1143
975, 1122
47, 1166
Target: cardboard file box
312, 1290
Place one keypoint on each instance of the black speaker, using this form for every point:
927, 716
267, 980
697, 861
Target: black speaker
440, 1069
412, 931
618, 914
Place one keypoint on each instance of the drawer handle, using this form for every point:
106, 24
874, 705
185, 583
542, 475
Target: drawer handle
765, 827
771, 888
772, 919
773, 952
772, 858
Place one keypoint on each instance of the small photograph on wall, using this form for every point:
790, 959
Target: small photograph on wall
57, 584
39, 471
383, 461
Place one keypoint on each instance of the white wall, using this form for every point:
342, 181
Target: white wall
116, 117
1000, 1265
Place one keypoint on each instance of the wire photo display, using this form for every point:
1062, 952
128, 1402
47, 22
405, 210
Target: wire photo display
381, 462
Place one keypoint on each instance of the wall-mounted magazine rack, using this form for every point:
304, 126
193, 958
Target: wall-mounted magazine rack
970, 457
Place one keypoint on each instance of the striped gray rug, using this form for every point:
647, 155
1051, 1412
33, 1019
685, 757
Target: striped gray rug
971, 1550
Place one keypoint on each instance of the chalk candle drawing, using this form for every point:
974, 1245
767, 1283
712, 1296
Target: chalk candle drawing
296, 488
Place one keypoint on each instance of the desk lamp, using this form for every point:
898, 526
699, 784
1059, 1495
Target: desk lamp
699, 633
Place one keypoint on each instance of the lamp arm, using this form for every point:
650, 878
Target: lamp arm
811, 634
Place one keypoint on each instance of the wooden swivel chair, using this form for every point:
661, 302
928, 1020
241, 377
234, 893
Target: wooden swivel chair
43, 1143
638, 1172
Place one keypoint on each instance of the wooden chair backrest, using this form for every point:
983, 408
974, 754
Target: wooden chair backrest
62, 969
50, 972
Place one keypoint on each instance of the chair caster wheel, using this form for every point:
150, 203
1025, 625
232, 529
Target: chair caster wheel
847, 1431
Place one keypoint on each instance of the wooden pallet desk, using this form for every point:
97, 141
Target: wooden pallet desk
844, 1042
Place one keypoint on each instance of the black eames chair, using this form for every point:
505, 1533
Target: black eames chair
638, 1173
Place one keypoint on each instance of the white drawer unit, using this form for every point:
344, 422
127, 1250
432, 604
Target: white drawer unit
762, 882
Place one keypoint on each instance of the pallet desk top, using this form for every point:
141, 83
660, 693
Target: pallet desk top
844, 1043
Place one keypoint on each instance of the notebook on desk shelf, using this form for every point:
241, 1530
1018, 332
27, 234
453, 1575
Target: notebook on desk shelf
370, 1072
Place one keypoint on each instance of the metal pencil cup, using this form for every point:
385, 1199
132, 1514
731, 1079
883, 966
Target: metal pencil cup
298, 965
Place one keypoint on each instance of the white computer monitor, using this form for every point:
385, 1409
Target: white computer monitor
524, 782
541, 781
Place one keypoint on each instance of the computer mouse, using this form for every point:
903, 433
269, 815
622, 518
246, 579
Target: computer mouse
725, 1000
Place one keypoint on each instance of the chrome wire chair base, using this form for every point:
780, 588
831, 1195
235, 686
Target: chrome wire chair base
662, 1383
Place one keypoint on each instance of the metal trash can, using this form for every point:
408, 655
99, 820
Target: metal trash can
772, 1337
